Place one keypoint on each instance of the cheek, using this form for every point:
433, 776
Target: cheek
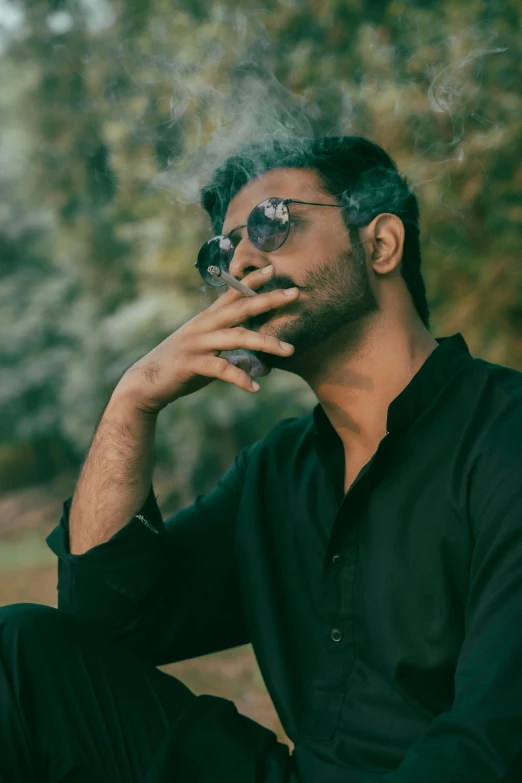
311, 254
330, 240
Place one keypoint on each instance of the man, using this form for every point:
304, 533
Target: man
371, 551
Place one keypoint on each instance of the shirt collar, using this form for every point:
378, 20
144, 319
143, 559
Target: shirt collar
451, 354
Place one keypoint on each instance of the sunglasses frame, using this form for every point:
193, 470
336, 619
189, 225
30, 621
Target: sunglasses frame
285, 202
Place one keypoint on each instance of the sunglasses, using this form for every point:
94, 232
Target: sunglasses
268, 226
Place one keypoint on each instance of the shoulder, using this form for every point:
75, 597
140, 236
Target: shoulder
291, 428
496, 419
282, 440
505, 381
499, 402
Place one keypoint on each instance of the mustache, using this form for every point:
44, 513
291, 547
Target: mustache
275, 284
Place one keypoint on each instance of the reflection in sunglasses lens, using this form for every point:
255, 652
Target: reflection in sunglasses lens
268, 224
218, 251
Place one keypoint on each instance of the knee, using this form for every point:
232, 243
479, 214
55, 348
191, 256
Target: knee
19, 620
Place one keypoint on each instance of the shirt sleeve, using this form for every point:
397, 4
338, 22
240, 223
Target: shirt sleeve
480, 739
166, 589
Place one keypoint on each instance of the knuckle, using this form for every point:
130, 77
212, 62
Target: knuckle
269, 341
242, 377
222, 364
234, 373
207, 364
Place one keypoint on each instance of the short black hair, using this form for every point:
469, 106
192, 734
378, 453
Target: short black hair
352, 169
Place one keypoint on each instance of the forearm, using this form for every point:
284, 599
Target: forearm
116, 476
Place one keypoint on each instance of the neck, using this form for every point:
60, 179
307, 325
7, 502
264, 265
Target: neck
357, 382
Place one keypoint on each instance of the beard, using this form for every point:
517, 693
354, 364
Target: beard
329, 318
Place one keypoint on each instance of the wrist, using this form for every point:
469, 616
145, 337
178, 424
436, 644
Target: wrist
126, 403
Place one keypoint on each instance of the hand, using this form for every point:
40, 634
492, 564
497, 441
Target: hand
188, 360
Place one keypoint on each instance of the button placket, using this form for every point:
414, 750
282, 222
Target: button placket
328, 684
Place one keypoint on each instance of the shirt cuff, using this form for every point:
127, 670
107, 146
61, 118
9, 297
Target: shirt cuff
130, 561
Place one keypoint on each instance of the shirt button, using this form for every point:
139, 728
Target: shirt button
337, 560
336, 635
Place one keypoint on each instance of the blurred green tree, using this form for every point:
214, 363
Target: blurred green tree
116, 112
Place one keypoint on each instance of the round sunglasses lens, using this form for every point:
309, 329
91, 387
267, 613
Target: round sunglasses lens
218, 251
268, 224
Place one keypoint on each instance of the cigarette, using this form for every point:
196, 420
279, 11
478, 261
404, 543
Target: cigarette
231, 281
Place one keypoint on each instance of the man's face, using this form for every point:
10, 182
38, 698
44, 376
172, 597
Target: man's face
336, 295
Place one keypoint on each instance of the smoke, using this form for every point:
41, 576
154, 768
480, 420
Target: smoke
455, 87
251, 106
445, 93
257, 107
231, 97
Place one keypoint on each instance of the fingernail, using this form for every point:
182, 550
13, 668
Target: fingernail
255, 386
267, 269
289, 291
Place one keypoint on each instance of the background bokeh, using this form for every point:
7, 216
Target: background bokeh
112, 116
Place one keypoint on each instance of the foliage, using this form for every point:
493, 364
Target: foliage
114, 114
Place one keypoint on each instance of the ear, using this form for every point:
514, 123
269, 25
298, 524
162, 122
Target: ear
385, 236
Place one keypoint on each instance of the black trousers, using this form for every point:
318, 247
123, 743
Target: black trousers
78, 707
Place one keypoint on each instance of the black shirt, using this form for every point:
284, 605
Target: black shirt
387, 622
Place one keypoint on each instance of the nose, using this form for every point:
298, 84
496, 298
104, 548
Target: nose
246, 259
